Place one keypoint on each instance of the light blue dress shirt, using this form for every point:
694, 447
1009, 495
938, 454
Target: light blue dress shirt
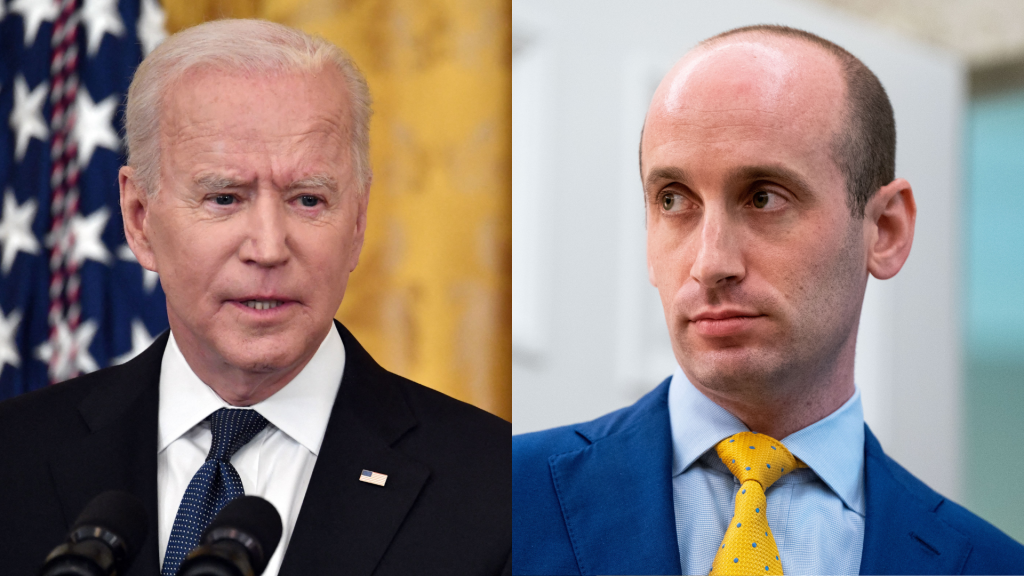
816, 513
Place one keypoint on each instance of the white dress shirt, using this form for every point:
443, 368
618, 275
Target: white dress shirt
276, 464
816, 513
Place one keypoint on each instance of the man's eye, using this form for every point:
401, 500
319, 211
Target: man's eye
764, 199
309, 201
224, 199
670, 202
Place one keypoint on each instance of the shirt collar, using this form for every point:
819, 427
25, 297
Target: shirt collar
832, 447
300, 409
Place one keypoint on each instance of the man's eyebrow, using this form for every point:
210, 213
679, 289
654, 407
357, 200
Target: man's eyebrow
215, 182
315, 181
770, 172
664, 173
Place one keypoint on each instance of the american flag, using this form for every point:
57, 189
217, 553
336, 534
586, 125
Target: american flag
373, 477
72, 297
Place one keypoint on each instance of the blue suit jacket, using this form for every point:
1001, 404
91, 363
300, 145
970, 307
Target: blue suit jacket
596, 498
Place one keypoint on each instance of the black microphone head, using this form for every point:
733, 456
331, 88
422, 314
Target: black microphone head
254, 517
121, 513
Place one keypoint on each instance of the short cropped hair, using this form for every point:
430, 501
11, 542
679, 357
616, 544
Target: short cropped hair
247, 46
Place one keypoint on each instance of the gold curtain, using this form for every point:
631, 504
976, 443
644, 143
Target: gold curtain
431, 298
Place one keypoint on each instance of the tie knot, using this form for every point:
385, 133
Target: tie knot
753, 456
232, 428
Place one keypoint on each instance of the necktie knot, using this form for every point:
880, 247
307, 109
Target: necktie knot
215, 483
753, 456
749, 546
232, 428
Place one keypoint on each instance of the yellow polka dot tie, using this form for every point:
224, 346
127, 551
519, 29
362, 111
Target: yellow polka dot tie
757, 461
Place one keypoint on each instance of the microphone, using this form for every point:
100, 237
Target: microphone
105, 539
239, 542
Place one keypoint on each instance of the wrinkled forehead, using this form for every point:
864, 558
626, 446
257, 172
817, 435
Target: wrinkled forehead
780, 80
248, 100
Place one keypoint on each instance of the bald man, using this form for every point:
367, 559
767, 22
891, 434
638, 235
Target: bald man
768, 169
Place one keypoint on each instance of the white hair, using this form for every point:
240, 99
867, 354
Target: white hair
248, 46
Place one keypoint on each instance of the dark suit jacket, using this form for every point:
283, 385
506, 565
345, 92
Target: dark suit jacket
596, 498
444, 509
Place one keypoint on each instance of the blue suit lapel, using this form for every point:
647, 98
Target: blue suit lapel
616, 493
616, 499
902, 533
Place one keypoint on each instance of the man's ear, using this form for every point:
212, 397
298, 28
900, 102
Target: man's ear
135, 206
889, 228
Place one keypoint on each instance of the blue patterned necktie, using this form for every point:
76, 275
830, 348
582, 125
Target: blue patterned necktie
214, 485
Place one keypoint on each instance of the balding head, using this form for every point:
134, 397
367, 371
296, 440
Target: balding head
780, 70
769, 204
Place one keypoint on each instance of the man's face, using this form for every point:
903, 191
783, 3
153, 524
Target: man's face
758, 262
259, 219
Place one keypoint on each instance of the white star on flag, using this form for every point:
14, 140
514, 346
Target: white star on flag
100, 17
94, 126
33, 13
16, 230
27, 116
8, 348
68, 342
149, 278
140, 341
73, 282
150, 29
87, 231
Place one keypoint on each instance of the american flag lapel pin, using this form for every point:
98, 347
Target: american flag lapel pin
373, 477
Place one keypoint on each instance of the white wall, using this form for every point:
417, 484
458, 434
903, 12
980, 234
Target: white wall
588, 331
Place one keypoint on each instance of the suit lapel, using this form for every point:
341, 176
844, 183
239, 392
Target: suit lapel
630, 467
119, 450
616, 495
902, 533
345, 525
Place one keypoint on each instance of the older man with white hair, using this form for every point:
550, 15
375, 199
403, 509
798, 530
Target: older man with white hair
246, 189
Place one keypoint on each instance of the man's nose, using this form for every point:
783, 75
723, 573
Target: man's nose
719, 259
266, 242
